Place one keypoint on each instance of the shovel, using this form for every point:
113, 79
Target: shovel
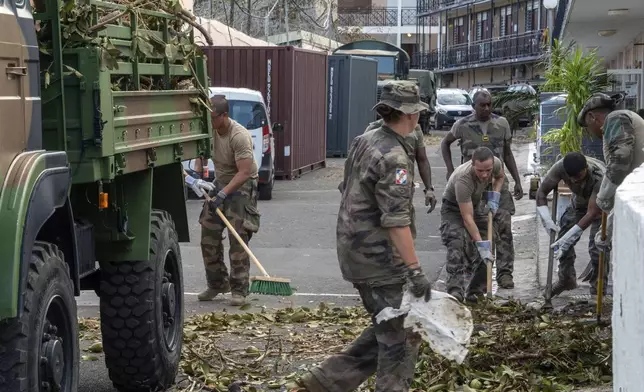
551, 252
600, 274
489, 262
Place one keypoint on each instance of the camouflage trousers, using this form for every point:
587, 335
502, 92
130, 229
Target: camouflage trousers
570, 218
462, 256
503, 228
240, 209
386, 349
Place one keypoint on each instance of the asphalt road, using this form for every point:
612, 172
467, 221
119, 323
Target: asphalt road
296, 240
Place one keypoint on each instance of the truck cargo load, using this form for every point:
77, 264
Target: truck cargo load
351, 94
293, 83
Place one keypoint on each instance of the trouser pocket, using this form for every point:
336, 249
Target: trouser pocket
251, 218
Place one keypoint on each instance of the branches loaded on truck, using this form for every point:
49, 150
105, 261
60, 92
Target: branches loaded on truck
100, 102
393, 64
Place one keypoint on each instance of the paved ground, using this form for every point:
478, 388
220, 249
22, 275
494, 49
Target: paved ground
297, 240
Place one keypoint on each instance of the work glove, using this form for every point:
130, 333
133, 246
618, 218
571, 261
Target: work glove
199, 187
485, 250
566, 241
493, 200
430, 200
603, 246
216, 200
420, 286
546, 219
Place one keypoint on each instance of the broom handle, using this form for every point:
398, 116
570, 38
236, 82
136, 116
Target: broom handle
489, 264
232, 230
600, 274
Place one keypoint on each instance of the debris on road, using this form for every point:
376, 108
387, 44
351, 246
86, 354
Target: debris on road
512, 348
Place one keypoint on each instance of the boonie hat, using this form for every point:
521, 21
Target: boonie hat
598, 101
402, 96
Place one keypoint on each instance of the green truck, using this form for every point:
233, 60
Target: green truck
100, 102
393, 64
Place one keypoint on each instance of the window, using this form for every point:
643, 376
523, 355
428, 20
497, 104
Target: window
250, 115
483, 26
506, 21
454, 99
459, 30
532, 15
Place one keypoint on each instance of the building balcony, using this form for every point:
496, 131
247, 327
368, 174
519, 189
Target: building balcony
426, 7
376, 16
518, 48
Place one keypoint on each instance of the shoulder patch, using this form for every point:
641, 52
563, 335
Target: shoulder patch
401, 176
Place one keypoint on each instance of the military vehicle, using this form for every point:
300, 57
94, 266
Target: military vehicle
393, 64
97, 114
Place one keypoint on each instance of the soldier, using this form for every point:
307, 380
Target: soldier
417, 144
622, 132
483, 128
235, 194
583, 175
374, 218
463, 220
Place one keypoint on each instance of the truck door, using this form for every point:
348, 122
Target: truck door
19, 81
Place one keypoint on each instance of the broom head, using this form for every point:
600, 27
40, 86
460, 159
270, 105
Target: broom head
270, 286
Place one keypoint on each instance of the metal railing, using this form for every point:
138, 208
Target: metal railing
495, 50
377, 16
425, 6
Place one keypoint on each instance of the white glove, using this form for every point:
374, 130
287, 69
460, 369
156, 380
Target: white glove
199, 187
548, 223
603, 246
566, 241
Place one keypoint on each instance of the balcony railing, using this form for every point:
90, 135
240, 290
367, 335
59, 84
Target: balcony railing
495, 50
376, 16
425, 6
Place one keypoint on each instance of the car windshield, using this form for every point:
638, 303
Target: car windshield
249, 114
454, 99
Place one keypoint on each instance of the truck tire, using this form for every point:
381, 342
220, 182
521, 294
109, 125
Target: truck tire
266, 190
39, 350
142, 313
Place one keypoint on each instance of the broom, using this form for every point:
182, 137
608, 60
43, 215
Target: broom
265, 284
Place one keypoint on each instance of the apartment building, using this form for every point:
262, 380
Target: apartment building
487, 42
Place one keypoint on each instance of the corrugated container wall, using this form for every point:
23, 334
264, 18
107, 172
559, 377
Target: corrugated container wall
293, 83
351, 94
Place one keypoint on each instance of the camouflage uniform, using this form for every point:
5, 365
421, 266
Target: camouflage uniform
240, 208
468, 131
582, 194
416, 140
377, 194
462, 257
623, 144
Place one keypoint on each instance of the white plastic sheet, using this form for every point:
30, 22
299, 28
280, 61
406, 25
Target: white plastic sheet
443, 322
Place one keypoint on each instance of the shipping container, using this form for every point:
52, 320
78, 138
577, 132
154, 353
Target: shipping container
351, 94
293, 83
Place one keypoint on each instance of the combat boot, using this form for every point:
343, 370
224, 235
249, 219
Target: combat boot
456, 294
505, 282
210, 294
237, 300
563, 285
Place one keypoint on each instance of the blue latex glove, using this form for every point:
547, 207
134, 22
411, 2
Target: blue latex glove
485, 250
493, 200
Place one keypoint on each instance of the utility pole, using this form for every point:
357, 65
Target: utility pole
399, 40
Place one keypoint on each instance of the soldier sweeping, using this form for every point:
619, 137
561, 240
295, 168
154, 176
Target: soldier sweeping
235, 194
583, 175
483, 128
417, 144
622, 132
374, 218
464, 220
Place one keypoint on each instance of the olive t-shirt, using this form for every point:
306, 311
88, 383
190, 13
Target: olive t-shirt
464, 186
235, 144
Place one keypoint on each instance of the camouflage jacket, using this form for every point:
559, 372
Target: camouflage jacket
378, 193
415, 140
623, 151
583, 192
468, 131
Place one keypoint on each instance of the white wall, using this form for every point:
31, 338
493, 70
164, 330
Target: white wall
628, 275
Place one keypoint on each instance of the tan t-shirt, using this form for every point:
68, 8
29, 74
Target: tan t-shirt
236, 144
464, 186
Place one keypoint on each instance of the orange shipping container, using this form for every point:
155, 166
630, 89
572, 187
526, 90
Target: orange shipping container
293, 83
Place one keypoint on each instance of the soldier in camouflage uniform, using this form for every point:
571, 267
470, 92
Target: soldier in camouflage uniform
464, 222
622, 132
374, 218
483, 128
417, 144
235, 194
583, 175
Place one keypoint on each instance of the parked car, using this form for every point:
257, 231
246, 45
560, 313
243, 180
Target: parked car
248, 108
523, 110
494, 90
451, 104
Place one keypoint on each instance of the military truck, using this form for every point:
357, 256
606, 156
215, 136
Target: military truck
100, 102
393, 64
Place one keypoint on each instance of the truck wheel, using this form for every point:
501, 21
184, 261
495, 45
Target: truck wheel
39, 351
142, 313
266, 191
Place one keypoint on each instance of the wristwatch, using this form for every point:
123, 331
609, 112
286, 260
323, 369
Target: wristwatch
431, 188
